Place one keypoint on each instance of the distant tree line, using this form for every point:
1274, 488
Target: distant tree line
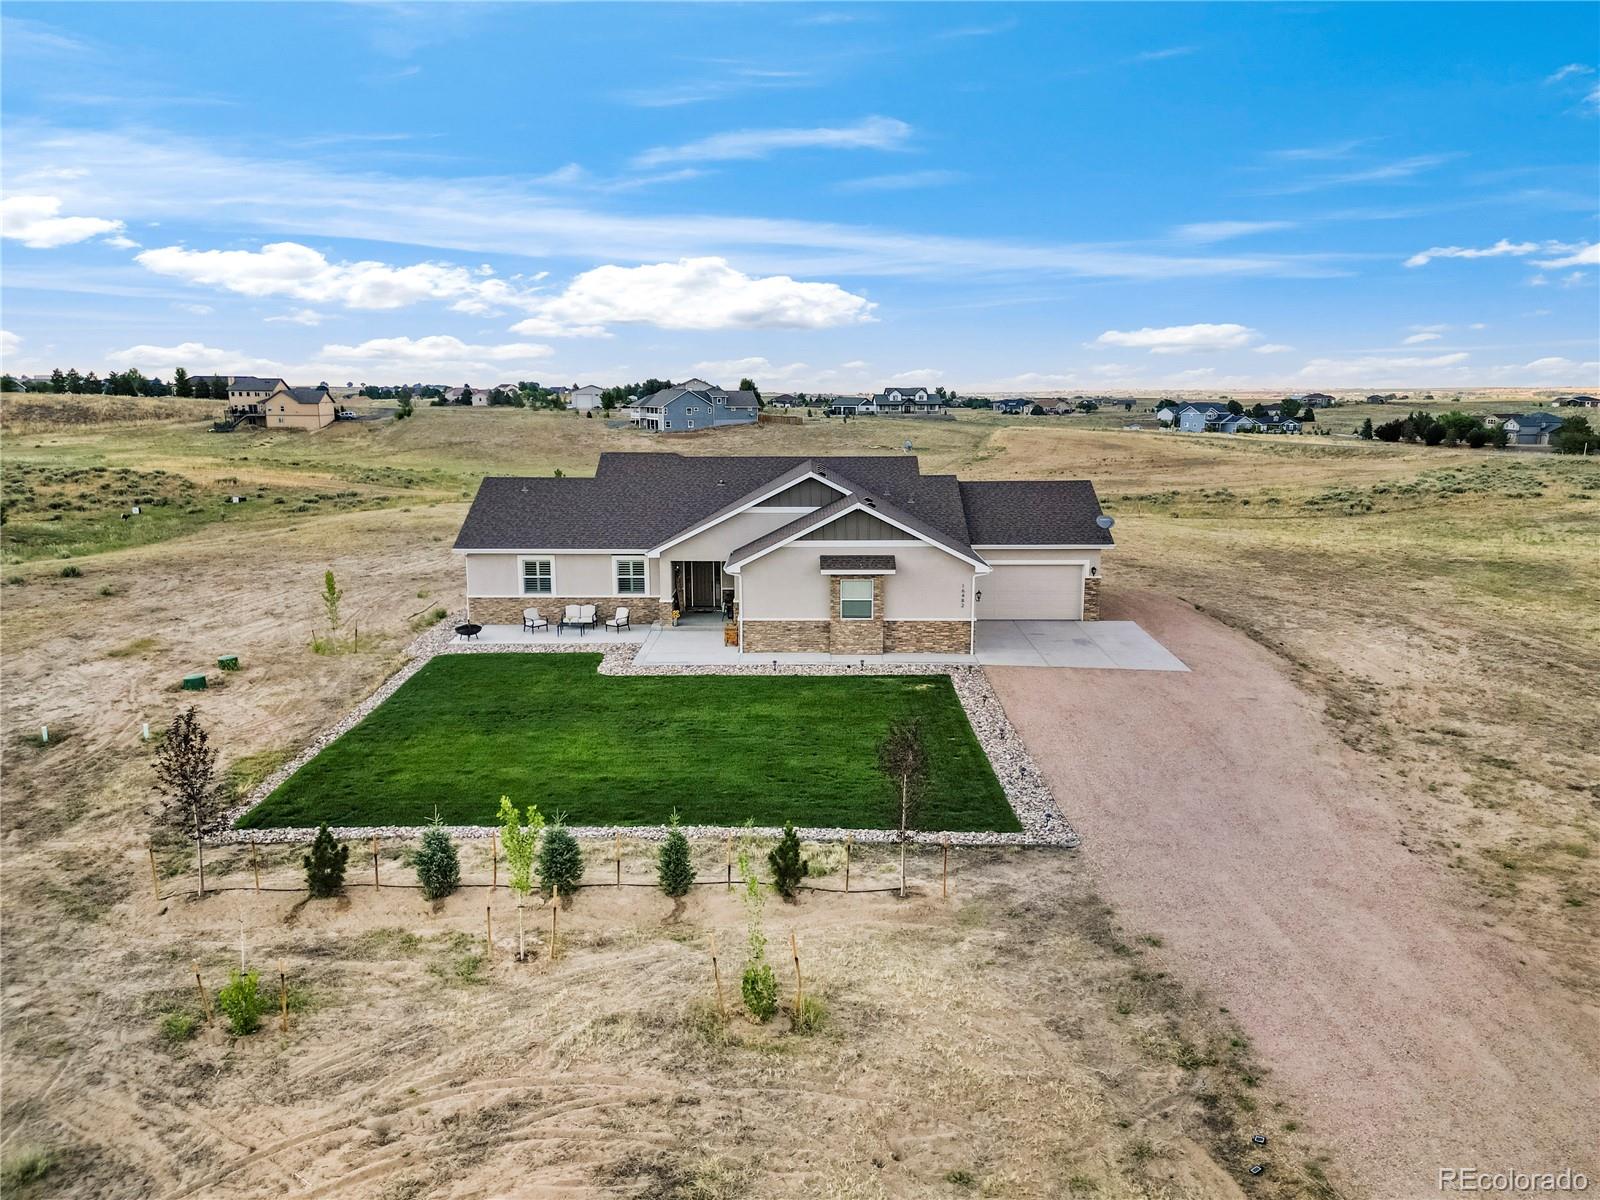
121, 383
1453, 428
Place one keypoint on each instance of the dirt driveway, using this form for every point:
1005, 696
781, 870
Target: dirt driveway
1219, 812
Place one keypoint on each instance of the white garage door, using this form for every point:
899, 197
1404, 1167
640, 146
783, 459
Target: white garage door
1032, 592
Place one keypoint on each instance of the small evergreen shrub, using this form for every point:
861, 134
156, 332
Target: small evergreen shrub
438, 867
242, 1003
788, 868
674, 869
325, 864
560, 861
71, 573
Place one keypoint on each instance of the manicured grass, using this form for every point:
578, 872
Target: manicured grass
548, 729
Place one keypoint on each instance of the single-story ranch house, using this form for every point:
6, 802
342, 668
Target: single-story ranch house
857, 555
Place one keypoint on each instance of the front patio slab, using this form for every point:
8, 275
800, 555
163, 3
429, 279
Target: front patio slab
1107, 645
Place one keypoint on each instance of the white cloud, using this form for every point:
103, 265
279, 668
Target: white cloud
35, 221
120, 242
1417, 339
904, 182
1582, 256
1500, 249
1389, 172
767, 374
920, 375
1376, 369
1180, 339
300, 316
160, 177
434, 352
192, 356
1221, 231
292, 269
870, 133
10, 343
1273, 348
692, 293
1570, 69
195, 310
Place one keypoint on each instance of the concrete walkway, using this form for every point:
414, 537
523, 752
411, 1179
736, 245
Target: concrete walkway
1112, 645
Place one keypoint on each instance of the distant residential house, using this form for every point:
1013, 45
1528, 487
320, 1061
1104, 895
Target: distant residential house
1531, 429
1197, 418
783, 400
907, 399
1015, 407
852, 406
1579, 401
306, 408
585, 398
1238, 423
1316, 400
685, 410
246, 389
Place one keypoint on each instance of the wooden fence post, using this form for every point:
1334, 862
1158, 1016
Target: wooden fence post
847, 840
494, 862
555, 909
205, 999
488, 927
619, 860
716, 973
730, 862
283, 997
255, 863
944, 882
799, 989
155, 878
375, 883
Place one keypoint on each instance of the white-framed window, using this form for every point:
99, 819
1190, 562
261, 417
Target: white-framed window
855, 599
630, 576
538, 577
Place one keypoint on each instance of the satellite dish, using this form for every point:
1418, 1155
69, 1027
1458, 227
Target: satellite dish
1105, 522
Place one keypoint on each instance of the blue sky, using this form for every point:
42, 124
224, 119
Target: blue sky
821, 196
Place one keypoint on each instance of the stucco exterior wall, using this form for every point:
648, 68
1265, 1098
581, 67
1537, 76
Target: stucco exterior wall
577, 575
788, 584
1035, 553
291, 414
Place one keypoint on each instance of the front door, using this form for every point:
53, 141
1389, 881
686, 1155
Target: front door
697, 586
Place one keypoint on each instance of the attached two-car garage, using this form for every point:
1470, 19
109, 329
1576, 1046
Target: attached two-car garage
1032, 590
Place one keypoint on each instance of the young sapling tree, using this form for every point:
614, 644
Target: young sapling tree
560, 860
788, 868
674, 868
438, 866
903, 757
521, 841
325, 864
758, 986
186, 777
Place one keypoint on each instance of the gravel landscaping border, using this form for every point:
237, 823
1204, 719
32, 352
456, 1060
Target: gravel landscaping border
1043, 823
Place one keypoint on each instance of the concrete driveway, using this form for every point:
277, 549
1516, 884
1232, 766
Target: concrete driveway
1113, 645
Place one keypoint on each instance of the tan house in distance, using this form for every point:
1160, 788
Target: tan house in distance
299, 407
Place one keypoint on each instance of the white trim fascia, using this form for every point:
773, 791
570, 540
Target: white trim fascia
1046, 546
862, 571
862, 506
776, 489
1042, 562
549, 553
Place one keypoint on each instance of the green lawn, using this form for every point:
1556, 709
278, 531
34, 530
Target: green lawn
602, 750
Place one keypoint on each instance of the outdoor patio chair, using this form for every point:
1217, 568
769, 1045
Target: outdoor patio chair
620, 621
588, 616
571, 615
532, 621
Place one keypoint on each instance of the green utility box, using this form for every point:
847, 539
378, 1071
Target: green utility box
194, 683
228, 662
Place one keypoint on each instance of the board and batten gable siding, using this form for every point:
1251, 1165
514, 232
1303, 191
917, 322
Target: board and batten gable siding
858, 526
571, 574
788, 585
808, 493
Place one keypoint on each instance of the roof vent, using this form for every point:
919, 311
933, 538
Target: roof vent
869, 502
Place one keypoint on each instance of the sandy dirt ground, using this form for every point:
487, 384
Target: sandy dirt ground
1414, 1034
